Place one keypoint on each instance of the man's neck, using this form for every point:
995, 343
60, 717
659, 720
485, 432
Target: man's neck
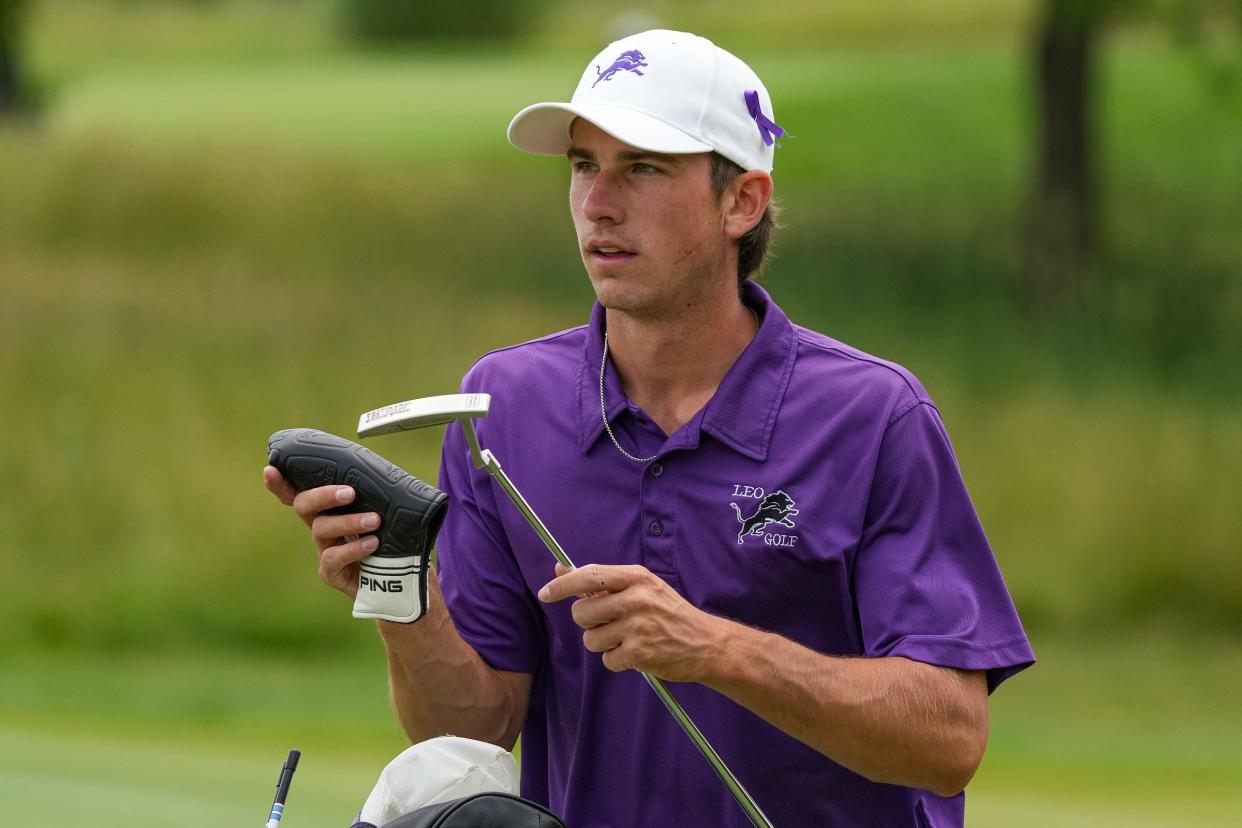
671, 365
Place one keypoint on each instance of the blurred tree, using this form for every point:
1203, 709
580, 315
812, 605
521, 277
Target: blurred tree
395, 21
1062, 213
1063, 217
13, 93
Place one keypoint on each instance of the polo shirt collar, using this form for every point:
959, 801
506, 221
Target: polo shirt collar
742, 412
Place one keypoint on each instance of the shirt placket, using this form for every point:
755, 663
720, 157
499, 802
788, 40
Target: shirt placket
658, 519
657, 497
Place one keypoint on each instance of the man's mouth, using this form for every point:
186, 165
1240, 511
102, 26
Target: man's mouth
609, 253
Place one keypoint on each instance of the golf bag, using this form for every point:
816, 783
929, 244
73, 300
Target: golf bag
485, 810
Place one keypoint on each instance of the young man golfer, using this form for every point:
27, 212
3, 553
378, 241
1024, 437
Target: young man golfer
775, 521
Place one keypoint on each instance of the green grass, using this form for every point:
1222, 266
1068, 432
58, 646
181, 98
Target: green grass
429, 107
69, 39
74, 36
1102, 732
1135, 731
191, 740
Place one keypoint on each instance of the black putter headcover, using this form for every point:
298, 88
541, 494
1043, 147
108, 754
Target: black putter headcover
393, 582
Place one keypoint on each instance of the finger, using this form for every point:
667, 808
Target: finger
595, 610
277, 485
561, 569
619, 659
602, 639
310, 503
586, 580
335, 562
328, 529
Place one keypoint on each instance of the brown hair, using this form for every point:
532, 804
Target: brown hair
754, 243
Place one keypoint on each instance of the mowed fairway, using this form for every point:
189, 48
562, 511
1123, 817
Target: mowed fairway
1099, 734
201, 243
189, 741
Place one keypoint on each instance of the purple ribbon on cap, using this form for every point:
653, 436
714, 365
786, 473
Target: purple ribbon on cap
767, 127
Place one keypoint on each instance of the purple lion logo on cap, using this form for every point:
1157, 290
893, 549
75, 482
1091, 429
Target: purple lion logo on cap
628, 61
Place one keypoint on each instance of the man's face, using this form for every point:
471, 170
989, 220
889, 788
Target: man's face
649, 225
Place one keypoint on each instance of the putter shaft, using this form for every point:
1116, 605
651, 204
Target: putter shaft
744, 799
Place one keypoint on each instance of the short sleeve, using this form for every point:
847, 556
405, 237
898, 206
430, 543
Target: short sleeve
927, 585
483, 588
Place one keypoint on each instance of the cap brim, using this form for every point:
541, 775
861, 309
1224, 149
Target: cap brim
543, 129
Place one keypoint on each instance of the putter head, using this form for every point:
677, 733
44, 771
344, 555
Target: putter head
429, 411
423, 413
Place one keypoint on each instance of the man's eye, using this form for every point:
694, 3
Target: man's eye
584, 166
645, 168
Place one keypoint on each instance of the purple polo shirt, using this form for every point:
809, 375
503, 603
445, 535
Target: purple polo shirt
815, 496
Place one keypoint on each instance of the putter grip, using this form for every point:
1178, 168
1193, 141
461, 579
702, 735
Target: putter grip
392, 583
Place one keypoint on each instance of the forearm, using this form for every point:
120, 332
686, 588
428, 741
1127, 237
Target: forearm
888, 719
441, 685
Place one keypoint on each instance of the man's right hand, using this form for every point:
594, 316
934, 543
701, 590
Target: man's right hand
341, 540
440, 684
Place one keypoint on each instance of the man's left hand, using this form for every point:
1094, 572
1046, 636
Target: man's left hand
638, 621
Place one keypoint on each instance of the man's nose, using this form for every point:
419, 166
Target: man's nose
603, 201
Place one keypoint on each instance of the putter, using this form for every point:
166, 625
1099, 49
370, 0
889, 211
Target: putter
463, 408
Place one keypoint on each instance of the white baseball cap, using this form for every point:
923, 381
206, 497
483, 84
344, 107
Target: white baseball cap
439, 770
663, 91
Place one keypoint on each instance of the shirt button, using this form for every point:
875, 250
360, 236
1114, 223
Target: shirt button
656, 470
656, 528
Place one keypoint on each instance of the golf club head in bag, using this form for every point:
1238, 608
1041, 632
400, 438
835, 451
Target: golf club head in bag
392, 583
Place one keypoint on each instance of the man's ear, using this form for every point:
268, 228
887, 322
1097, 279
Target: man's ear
744, 201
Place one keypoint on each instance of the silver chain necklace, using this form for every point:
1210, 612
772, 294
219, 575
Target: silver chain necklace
603, 407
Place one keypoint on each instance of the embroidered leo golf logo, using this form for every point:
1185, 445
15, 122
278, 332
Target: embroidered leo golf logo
629, 62
775, 509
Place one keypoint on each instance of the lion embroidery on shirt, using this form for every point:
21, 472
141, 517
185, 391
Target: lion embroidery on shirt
777, 507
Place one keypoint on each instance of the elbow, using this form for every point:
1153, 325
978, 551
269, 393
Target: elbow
953, 782
946, 771
508, 739
960, 763
501, 729
502, 734
515, 697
